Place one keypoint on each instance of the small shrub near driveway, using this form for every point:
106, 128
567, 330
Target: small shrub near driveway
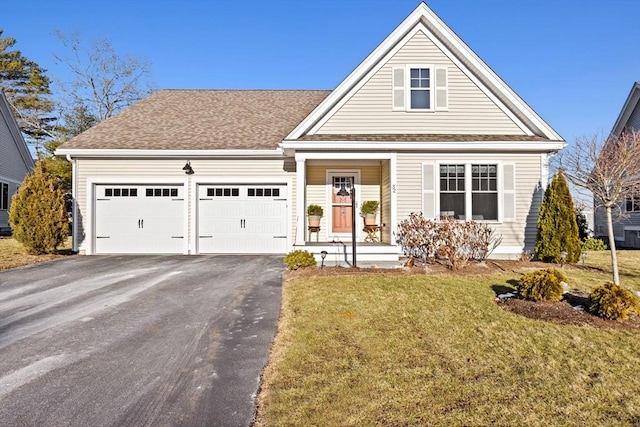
542, 285
299, 259
592, 244
613, 302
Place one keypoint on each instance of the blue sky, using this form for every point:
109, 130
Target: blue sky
573, 61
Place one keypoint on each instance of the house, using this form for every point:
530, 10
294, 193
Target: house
15, 161
626, 229
422, 124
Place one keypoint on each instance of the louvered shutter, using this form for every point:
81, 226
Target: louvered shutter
428, 191
508, 193
441, 85
398, 88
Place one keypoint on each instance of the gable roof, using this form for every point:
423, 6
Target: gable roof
202, 120
16, 134
425, 20
632, 102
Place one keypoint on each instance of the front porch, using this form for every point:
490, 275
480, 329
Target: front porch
330, 182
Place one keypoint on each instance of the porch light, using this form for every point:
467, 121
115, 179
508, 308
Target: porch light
188, 169
343, 191
323, 255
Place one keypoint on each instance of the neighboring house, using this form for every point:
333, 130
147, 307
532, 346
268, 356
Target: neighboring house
626, 229
422, 124
15, 160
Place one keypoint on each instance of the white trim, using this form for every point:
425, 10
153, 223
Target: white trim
627, 109
7, 180
301, 196
343, 156
89, 232
329, 174
181, 154
501, 146
393, 177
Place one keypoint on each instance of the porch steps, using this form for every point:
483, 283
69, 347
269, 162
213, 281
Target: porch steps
340, 254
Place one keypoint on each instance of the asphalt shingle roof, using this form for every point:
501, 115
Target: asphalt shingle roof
203, 120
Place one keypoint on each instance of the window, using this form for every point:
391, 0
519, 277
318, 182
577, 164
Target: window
121, 192
263, 192
633, 203
161, 192
223, 192
420, 87
4, 196
469, 191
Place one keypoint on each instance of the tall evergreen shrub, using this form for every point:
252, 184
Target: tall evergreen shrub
557, 229
37, 217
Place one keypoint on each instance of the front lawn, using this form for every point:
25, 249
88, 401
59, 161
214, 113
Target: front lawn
13, 254
399, 349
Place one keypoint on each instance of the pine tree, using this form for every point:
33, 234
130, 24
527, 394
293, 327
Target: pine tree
557, 230
37, 216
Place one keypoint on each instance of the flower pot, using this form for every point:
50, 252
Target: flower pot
369, 219
314, 220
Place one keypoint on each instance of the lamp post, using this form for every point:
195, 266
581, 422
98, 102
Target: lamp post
342, 193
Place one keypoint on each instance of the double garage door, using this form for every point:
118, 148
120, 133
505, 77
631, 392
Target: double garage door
153, 218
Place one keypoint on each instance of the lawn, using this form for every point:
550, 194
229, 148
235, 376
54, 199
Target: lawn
13, 254
399, 349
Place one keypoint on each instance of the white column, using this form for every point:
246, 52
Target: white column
301, 185
393, 176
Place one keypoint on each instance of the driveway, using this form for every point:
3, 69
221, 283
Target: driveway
136, 340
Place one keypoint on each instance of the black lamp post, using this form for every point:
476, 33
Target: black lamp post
343, 193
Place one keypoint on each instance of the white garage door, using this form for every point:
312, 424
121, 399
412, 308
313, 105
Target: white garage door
139, 219
243, 218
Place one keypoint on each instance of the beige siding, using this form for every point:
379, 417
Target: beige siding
520, 233
138, 170
470, 110
318, 188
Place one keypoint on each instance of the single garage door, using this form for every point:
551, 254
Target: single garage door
139, 219
243, 218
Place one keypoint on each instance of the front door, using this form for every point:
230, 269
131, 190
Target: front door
341, 205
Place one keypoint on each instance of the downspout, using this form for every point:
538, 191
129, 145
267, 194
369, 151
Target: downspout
74, 204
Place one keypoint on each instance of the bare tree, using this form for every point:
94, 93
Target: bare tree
104, 82
610, 170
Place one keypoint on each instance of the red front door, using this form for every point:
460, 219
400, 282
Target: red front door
341, 205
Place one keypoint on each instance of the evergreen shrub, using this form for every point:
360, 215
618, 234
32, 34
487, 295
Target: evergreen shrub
542, 285
37, 217
592, 244
613, 302
299, 259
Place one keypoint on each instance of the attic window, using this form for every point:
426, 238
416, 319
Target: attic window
420, 88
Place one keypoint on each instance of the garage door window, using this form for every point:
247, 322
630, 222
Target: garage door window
223, 192
162, 192
121, 192
263, 192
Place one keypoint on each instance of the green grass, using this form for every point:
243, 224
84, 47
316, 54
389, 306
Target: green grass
393, 349
13, 254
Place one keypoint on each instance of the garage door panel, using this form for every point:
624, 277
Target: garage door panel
149, 219
242, 218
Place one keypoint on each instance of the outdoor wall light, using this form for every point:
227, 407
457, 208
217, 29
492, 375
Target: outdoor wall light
188, 169
323, 255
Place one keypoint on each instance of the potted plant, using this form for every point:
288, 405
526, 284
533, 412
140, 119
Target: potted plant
314, 213
369, 210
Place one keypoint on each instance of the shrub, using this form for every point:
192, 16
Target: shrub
454, 241
37, 216
557, 230
299, 259
369, 207
613, 302
315, 210
592, 244
542, 285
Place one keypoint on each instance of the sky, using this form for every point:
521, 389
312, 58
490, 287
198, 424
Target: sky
573, 61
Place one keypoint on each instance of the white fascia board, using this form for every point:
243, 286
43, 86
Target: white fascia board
342, 156
183, 154
498, 146
486, 71
356, 75
627, 109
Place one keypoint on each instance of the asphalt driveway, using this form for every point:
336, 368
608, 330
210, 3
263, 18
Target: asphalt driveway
136, 340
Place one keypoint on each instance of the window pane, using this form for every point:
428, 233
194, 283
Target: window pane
251, 192
165, 192
420, 99
424, 83
267, 192
133, 192
227, 192
116, 192
460, 185
415, 73
276, 192
107, 192
125, 192
424, 73
484, 206
149, 192
218, 192
174, 192
452, 202
157, 192
235, 192
259, 192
